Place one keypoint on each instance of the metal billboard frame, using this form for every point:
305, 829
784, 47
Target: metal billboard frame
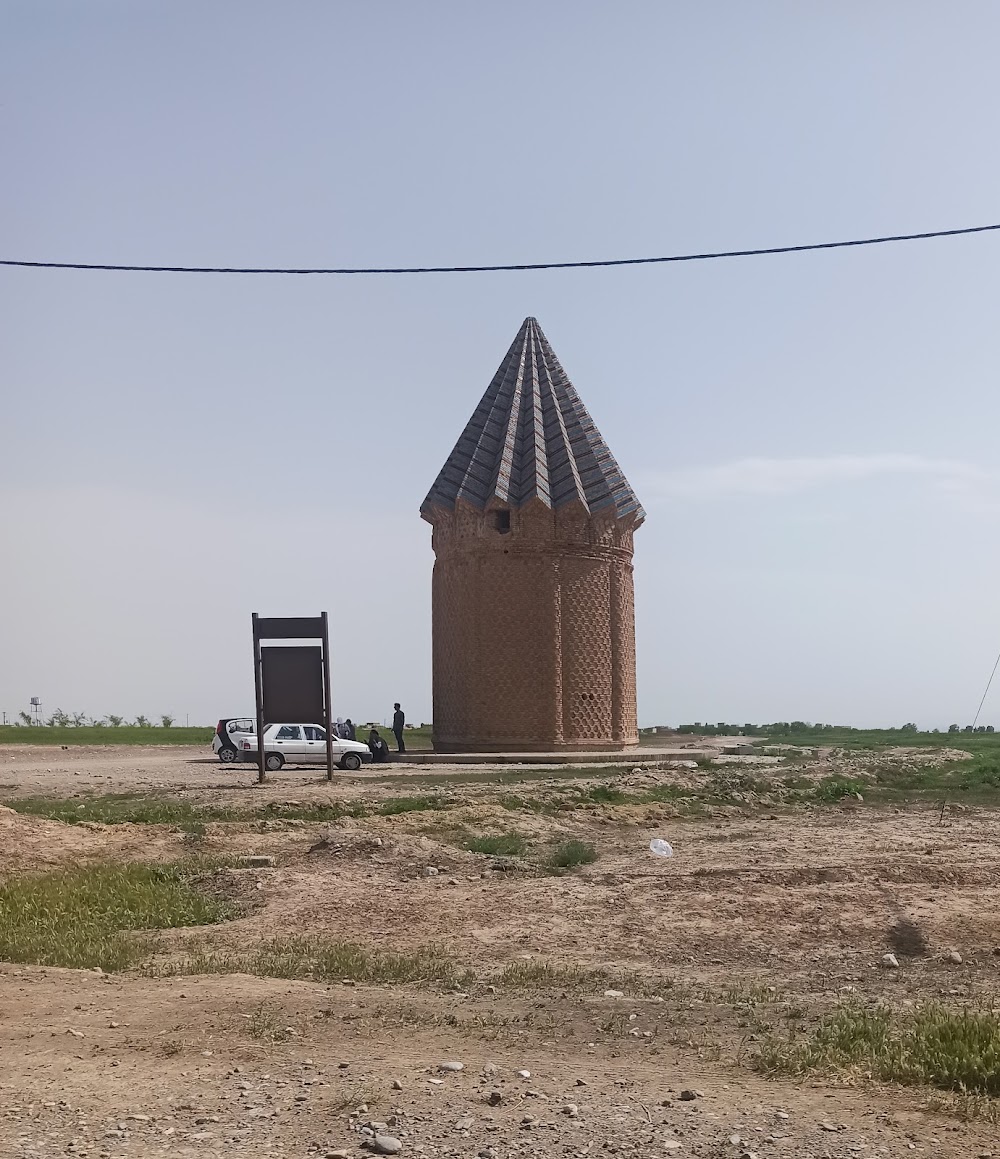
291, 628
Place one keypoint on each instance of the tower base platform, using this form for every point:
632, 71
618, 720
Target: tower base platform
637, 755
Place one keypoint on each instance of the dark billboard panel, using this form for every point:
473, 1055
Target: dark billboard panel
292, 680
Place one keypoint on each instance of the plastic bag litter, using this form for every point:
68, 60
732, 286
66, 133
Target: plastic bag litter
660, 847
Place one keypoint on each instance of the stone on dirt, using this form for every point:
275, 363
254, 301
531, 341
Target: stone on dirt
386, 1145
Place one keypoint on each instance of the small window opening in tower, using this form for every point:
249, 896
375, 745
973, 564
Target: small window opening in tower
501, 521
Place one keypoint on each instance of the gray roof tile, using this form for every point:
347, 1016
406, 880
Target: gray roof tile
531, 436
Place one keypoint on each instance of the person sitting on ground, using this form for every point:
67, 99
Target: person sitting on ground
379, 749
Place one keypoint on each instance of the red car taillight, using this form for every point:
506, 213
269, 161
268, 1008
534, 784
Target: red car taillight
218, 728
246, 745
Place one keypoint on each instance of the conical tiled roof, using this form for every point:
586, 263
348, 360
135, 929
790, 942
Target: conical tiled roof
531, 436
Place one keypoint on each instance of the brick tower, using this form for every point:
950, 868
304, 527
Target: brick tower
533, 619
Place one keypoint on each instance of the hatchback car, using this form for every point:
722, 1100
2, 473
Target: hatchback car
229, 733
302, 744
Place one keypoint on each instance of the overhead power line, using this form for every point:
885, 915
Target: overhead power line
986, 693
698, 257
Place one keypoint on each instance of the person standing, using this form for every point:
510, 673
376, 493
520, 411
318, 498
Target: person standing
350, 733
398, 721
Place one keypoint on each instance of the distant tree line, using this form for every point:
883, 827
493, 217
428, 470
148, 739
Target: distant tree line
778, 728
60, 719
803, 727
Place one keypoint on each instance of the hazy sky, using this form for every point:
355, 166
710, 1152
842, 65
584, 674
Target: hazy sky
813, 436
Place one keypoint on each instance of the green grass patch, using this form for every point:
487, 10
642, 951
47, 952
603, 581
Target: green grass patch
955, 1050
276, 811
504, 845
416, 739
81, 918
570, 855
539, 974
322, 960
606, 795
123, 808
99, 734
666, 793
396, 805
835, 788
532, 974
976, 779
514, 803
982, 773
857, 738
512, 776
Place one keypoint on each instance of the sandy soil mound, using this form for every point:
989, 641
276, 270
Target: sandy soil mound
29, 844
34, 842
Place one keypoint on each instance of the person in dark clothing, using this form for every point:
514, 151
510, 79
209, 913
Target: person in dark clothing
351, 733
398, 720
379, 749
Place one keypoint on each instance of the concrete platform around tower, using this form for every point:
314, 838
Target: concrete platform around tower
641, 755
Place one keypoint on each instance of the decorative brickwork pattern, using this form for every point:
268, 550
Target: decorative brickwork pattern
587, 649
534, 626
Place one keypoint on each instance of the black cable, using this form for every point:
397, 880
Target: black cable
988, 683
780, 249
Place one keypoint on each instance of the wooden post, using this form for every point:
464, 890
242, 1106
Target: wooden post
259, 692
327, 697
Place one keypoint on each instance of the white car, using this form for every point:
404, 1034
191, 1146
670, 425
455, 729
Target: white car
302, 744
229, 733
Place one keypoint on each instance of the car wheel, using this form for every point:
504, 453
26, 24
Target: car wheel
273, 761
351, 761
227, 755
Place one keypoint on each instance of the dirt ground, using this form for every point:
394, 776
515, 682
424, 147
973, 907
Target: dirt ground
756, 915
